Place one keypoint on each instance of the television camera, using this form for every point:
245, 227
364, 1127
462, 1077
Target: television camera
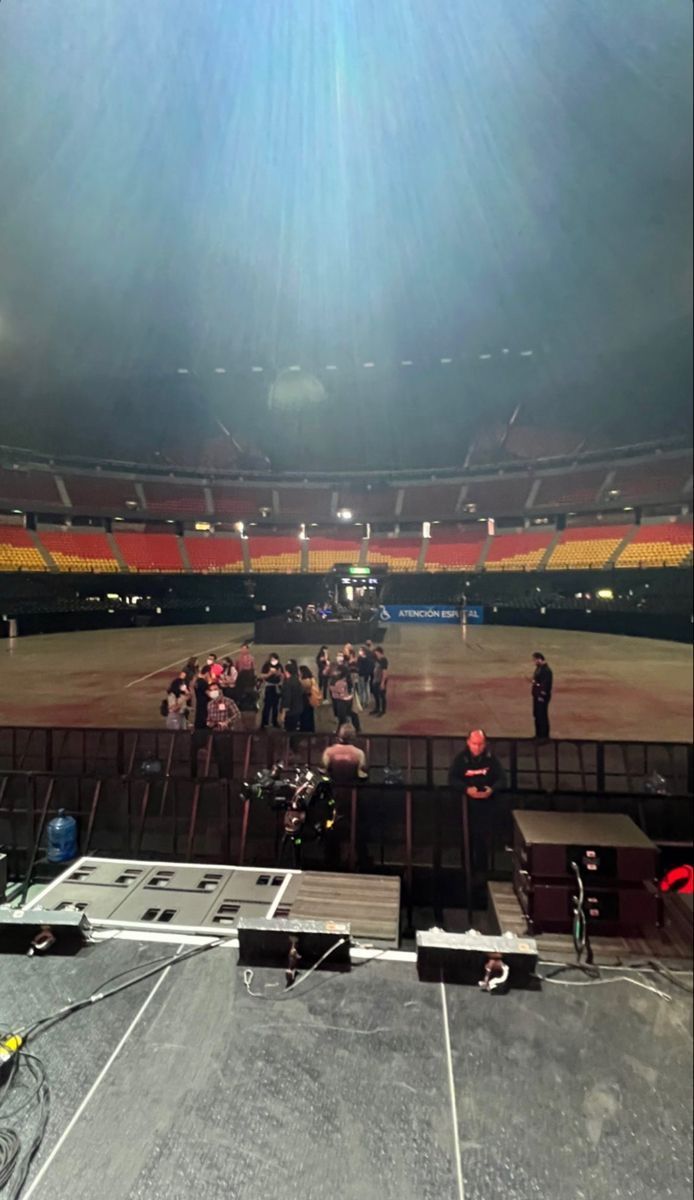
303, 795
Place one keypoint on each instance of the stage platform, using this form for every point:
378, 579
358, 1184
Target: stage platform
442, 681
366, 1085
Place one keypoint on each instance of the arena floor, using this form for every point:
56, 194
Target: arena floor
442, 681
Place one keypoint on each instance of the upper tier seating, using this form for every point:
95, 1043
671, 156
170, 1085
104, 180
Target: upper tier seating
304, 503
499, 497
17, 551
96, 494
240, 502
324, 552
455, 552
667, 545
659, 479
430, 501
590, 547
28, 489
83, 551
570, 487
369, 504
214, 554
174, 498
518, 551
149, 551
274, 554
401, 554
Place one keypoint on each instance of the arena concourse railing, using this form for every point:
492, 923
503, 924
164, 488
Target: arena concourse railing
144, 793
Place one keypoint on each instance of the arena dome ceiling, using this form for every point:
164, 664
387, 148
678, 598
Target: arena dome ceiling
205, 188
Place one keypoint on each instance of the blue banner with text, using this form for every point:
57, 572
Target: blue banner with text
431, 614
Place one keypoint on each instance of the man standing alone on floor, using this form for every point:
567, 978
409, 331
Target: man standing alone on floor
379, 683
542, 681
479, 774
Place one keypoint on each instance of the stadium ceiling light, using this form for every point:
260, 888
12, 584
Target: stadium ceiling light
18, 512
257, 369
446, 360
331, 367
182, 371
220, 370
406, 362
505, 350
368, 364
485, 356
526, 353
344, 514
295, 368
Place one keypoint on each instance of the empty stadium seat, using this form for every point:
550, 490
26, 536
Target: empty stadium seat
401, 554
94, 494
214, 554
27, 489
17, 551
570, 487
587, 547
324, 552
240, 502
278, 555
667, 545
518, 551
661, 479
149, 551
79, 551
171, 498
455, 552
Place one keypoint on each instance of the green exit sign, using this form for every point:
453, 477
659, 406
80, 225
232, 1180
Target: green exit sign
360, 570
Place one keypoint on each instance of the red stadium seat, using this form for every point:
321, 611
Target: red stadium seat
592, 546
401, 554
150, 551
666, 545
17, 551
455, 552
279, 555
216, 554
79, 551
518, 551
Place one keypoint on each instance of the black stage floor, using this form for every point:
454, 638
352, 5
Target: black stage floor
360, 1086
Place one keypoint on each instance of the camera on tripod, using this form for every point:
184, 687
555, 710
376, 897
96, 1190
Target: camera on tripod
299, 793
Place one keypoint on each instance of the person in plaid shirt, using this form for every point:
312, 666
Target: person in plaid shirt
222, 713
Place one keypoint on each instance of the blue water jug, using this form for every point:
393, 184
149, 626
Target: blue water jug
62, 838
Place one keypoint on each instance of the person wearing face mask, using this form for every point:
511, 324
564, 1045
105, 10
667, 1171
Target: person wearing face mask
273, 676
222, 713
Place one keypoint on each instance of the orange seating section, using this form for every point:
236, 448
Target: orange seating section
658, 546
324, 552
279, 555
584, 548
17, 551
72, 551
150, 551
518, 551
215, 554
451, 553
401, 554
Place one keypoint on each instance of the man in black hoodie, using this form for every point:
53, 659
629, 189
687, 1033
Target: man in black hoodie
478, 773
542, 681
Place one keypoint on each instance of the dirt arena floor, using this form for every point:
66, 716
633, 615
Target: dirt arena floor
442, 681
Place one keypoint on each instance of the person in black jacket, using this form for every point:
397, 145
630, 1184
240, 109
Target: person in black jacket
542, 681
291, 697
479, 774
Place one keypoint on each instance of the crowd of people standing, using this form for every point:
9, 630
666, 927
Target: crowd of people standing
226, 694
